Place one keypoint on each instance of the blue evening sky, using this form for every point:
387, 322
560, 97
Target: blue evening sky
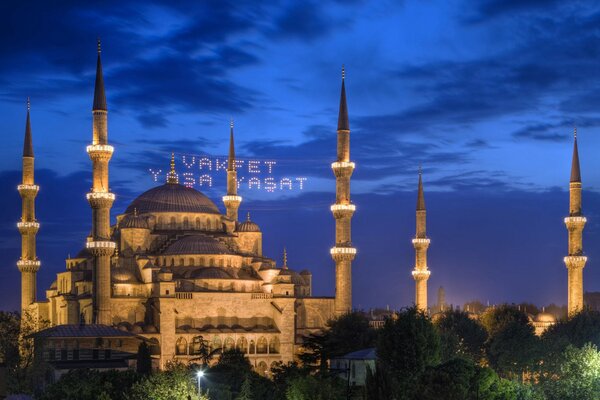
484, 94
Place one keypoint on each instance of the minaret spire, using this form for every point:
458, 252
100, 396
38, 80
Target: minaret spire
28, 142
421, 243
231, 199
172, 176
28, 264
285, 259
101, 199
99, 94
343, 253
575, 223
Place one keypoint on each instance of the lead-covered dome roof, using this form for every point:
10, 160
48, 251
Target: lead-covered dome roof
197, 244
172, 197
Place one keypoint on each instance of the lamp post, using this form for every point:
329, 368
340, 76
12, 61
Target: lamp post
200, 374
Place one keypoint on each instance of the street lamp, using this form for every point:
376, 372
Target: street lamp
199, 374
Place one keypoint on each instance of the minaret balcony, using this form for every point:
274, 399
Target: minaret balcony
26, 227
28, 190
421, 241
343, 169
100, 199
575, 222
421, 274
575, 261
343, 253
343, 210
101, 247
29, 265
232, 199
100, 152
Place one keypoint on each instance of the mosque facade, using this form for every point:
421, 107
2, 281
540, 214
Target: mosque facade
176, 271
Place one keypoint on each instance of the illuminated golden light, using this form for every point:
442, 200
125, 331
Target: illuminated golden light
343, 207
581, 259
421, 240
28, 224
343, 164
575, 219
232, 198
29, 263
343, 250
100, 147
100, 195
421, 273
28, 187
100, 244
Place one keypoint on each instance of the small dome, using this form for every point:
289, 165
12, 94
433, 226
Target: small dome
296, 278
172, 197
545, 317
134, 221
197, 244
248, 226
210, 273
123, 275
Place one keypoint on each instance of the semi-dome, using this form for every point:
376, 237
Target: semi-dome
123, 275
172, 197
211, 273
197, 244
134, 221
545, 317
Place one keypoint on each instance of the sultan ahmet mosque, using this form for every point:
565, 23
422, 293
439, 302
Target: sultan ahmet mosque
175, 271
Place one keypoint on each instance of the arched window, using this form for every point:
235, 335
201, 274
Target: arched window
181, 262
229, 344
197, 345
173, 223
181, 347
191, 261
216, 343
261, 345
242, 345
262, 368
274, 345
208, 225
211, 262
201, 262
161, 223
198, 223
186, 223
252, 347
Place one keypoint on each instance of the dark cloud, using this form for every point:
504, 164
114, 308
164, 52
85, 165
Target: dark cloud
488, 9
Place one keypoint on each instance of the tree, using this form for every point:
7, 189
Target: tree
85, 384
348, 333
246, 391
578, 330
175, 383
316, 388
144, 360
406, 346
230, 371
512, 347
460, 335
576, 375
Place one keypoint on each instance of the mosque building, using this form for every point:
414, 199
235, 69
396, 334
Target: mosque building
177, 272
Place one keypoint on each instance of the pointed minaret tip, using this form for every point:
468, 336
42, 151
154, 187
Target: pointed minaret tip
343, 123
172, 176
420, 194
28, 143
575, 171
231, 158
248, 216
285, 259
99, 93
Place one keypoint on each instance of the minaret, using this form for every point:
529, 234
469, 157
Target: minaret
101, 200
284, 266
343, 253
575, 222
28, 264
232, 200
421, 243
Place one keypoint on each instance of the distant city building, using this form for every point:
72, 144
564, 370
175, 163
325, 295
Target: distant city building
353, 367
176, 272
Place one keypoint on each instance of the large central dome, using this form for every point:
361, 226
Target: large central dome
172, 197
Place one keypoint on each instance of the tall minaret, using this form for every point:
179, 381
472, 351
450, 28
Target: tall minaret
28, 264
232, 200
421, 243
343, 253
575, 222
101, 200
